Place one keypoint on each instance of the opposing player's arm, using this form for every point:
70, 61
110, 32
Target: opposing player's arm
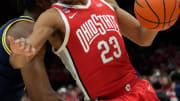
36, 79
33, 73
131, 28
46, 25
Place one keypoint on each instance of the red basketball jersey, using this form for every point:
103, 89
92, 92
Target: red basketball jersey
93, 49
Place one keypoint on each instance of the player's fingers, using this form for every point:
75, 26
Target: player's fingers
20, 40
28, 47
31, 51
28, 42
17, 41
11, 39
22, 43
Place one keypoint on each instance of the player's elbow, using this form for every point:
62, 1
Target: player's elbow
144, 44
144, 40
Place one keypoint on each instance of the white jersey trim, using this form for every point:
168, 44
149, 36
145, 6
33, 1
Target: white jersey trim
69, 64
63, 53
110, 6
75, 6
67, 33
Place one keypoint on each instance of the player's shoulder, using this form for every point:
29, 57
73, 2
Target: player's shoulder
51, 17
21, 28
51, 13
17, 27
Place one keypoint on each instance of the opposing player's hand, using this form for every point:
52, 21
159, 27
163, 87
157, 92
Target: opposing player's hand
21, 46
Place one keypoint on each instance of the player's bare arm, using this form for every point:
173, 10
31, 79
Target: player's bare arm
39, 89
42, 31
34, 69
131, 28
44, 28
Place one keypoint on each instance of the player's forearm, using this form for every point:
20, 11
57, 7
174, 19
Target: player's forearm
141, 36
36, 81
146, 36
39, 90
42, 30
132, 29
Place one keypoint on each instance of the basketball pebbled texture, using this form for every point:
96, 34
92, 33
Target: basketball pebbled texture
157, 14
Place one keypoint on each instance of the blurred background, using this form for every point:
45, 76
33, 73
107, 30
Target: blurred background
159, 63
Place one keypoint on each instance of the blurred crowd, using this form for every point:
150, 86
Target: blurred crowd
165, 85
70, 93
66, 93
166, 58
160, 65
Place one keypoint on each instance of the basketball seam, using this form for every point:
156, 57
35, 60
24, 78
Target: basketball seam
172, 13
164, 14
154, 14
138, 4
154, 21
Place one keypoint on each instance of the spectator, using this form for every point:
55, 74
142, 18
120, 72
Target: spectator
168, 87
62, 92
72, 96
175, 76
161, 95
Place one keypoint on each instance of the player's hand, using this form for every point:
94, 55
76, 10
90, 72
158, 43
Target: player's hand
21, 46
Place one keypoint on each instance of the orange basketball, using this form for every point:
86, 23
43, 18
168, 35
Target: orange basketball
157, 14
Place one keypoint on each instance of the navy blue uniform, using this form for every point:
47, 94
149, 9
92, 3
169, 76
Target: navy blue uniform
11, 83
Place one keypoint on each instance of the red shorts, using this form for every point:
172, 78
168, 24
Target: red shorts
136, 90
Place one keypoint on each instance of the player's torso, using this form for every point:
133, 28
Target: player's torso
5, 68
93, 49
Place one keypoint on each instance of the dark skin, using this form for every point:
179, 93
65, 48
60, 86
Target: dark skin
36, 80
35, 68
130, 28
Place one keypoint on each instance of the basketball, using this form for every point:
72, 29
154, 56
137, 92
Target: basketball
157, 15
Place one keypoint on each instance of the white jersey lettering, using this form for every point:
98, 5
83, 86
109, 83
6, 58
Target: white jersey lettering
95, 26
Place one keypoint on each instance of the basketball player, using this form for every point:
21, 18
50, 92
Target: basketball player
11, 82
93, 49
